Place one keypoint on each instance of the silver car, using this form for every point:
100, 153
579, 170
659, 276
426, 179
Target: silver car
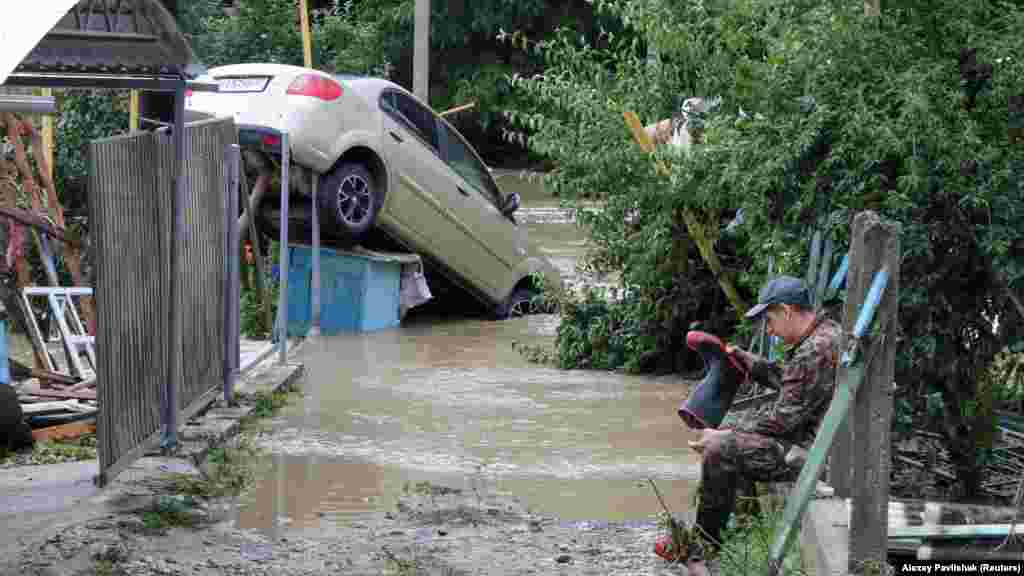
385, 161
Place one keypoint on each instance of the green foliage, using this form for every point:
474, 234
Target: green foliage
375, 37
252, 318
822, 112
84, 115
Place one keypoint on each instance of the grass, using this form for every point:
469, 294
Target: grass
52, 452
229, 471
104, 568
747, 543
267, 405
166, 513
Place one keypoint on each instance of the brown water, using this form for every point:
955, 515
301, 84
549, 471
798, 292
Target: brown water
452, 402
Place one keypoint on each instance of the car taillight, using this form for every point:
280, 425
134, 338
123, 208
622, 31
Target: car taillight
188, 93
271, 140
315, 86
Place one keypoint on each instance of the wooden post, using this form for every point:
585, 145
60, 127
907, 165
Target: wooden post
133, 114
421, 52
875, 245
307, 41
48, 137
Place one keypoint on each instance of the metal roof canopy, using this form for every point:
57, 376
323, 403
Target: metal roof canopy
109, 44
123, 44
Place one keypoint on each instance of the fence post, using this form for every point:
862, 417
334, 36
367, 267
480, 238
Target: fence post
231, 277
875, 245
282, 306
179, 229
315, 300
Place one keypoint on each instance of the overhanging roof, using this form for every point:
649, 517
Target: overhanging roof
108, 43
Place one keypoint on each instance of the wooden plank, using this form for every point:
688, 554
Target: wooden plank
875, 247
44, 408
64, 431
36, 390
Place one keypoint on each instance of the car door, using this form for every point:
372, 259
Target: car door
423, 203
501, 242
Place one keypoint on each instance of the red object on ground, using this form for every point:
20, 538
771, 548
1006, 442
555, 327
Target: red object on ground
663, 548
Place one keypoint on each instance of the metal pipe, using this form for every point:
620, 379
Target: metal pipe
283, 261
874, 297
839, 279
961, 553
177, 236
315, 330
28, 104
231, 327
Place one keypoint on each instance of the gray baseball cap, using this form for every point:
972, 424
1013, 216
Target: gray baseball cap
781, 290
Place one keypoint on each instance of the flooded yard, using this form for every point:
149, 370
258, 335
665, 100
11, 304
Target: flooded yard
450, 401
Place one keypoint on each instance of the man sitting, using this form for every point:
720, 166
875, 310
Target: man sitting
756, 450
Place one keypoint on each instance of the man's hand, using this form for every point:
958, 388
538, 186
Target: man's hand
708, 436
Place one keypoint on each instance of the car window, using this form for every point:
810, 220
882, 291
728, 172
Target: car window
409, 112
460, 157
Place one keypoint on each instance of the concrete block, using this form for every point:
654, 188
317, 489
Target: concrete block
825, 537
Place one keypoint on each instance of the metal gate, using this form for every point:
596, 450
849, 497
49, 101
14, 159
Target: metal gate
131, 184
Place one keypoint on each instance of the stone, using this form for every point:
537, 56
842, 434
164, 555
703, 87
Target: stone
564, 559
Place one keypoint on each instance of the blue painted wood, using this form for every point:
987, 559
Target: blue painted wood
358, 293
839, 279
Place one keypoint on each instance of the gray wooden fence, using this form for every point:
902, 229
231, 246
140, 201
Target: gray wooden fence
130, 190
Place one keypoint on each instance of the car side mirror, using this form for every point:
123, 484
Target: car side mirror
511, 204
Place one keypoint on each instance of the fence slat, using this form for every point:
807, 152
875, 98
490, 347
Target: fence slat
130, 189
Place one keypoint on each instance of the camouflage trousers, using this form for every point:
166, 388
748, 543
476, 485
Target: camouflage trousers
737, 460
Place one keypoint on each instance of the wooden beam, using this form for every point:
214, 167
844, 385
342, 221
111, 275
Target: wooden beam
35, 390
48, 136
458, 109
133, 113
29, 219
703, 234
64, 431
307, 40
875, 246
421, 52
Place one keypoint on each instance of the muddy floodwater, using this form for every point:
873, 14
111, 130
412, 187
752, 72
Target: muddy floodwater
450, 401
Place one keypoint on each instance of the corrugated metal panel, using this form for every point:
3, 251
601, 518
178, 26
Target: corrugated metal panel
131, 186
111, 37
130, 208
203, 252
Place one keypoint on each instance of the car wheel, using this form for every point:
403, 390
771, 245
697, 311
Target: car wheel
519, 303
349, 200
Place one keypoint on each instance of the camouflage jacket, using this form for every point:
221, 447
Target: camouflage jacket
806, 379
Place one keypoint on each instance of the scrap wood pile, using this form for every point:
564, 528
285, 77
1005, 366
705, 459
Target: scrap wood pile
57, 399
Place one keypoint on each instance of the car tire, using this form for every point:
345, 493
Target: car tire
349, 202
519, 303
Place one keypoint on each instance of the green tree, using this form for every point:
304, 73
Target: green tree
374, 37
822, 112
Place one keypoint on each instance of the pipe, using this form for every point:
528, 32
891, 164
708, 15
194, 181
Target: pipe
965, 553
28, 104
282, 305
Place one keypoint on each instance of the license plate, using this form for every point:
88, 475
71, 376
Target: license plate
242, 84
